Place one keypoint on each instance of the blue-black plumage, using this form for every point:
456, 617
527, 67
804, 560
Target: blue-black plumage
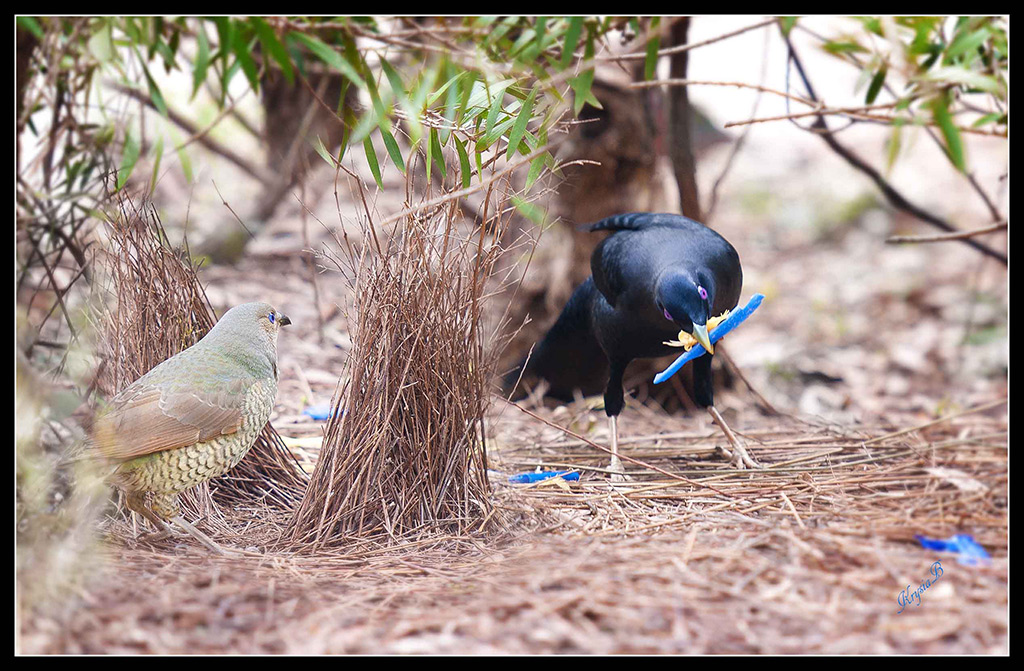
656, 274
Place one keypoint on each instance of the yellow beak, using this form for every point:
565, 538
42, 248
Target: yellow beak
700, 332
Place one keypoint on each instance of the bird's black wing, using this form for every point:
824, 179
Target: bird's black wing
569, 357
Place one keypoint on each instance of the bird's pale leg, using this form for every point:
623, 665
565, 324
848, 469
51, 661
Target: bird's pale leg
618, 473
741, 458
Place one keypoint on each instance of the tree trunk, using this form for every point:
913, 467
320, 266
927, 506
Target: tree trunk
681, 125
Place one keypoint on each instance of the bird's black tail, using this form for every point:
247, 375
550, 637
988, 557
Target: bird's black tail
635, 221
569, 357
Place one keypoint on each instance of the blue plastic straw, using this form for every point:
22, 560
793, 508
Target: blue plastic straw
969, 552
318, 412
731, 322
521, 478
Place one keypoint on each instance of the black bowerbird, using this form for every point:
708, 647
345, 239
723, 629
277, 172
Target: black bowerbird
656, 274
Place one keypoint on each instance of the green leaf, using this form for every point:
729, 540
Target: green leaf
398, 89
225, 36
439, 92
465, 168
876, 83
519, 128
101, 44
581, 84
328, 55
787, 23
951, 134
392, 146
129, 158
994, 117
653, 44
541, 30
870, 23
506, 25
843, 47
364, 127
492, 113
496, 132
532, 212
438, 155
536, 165
202, 59
371, 160
268, 38
895, 143
241, 47
154, 92
572, 38
31, 25
324, 154
966, 42
960, 75
454, 101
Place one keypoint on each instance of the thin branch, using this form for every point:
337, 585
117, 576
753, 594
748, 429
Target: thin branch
859, 113
640, 55
945, 237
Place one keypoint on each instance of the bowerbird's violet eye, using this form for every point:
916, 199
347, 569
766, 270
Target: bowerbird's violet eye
664, 311
703, 293
271, 317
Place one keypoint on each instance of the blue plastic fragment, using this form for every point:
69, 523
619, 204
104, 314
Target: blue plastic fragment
319, 412
520, 478
969, 552
732, 321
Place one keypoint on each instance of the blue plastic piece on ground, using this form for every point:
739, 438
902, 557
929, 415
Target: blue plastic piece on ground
969, 552
520, 478
319, 412
732, 321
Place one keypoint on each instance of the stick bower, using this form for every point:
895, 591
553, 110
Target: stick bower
404, 448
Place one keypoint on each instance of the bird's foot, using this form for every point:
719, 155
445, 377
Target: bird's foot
739, 456
158, 536
742, 458
618, 473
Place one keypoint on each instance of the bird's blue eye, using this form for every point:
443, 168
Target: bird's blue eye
271, 317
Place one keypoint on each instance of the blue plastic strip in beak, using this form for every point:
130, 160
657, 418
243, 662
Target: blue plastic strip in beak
731, 322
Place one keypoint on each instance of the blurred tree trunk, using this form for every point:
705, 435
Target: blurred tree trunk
681, 125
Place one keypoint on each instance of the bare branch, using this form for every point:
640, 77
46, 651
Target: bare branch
945, 237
